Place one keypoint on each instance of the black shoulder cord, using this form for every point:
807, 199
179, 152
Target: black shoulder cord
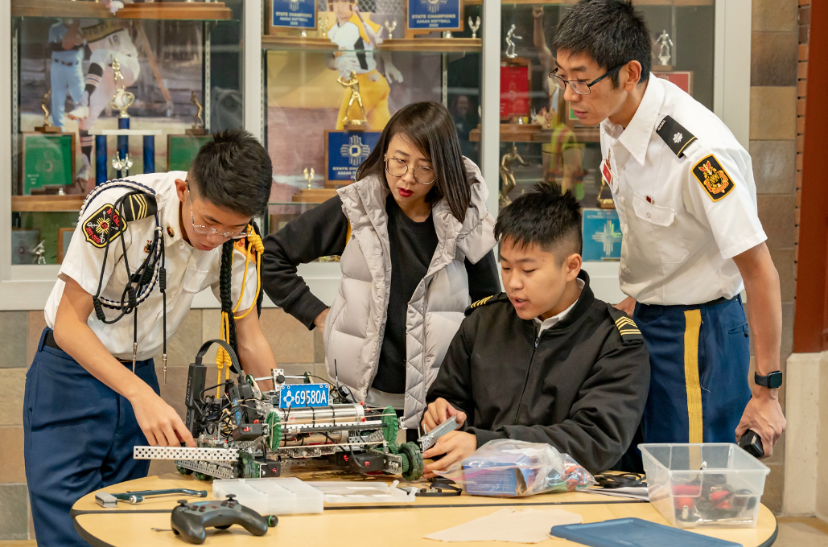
225, 289
142, 276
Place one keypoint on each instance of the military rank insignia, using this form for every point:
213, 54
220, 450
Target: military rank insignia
713, 178
102, 226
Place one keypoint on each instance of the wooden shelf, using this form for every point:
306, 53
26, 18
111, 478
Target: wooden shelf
314, 195
433, 45
298, 42
177, 11
534, 133
59, 8
47, 204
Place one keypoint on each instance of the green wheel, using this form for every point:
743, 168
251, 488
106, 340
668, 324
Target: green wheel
411, 453
275, 435
203, 477
183, 471
390, 428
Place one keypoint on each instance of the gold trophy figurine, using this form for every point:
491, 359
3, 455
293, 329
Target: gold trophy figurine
309, 176
122, 99
198, 122
323, 28
507, 175
353, 84
390, 28
47, 126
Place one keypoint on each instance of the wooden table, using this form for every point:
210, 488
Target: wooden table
386, 525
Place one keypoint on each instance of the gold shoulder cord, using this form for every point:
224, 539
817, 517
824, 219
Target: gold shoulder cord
254, 247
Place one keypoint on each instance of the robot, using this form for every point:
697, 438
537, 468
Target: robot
245, 432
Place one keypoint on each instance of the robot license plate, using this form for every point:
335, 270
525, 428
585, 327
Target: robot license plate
304, 395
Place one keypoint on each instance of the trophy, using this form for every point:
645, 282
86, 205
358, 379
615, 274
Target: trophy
47, 126
353, 84
121, 101
510, 43
323, 28
665, 47
38, 253
474, 26
390, 28
507, 175
309, 176
198, 122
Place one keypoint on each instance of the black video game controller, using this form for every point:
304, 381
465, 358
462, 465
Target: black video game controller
190, 519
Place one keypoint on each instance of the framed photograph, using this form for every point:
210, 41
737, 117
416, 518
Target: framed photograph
344, 153
182, 149
23, 243
47, 159
64, 238
284, 15
602, 235
433, 15
683, 79
515, 83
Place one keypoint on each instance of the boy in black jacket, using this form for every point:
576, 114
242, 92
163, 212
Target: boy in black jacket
545, 361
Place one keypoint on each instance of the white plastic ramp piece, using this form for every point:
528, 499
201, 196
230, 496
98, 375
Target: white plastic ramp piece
185, 453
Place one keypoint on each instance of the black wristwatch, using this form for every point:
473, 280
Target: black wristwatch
772, 380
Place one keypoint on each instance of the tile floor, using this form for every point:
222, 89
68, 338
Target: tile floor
793, 532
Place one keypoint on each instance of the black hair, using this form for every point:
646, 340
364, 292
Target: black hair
429, 127
612, 32
546, 217
233, 171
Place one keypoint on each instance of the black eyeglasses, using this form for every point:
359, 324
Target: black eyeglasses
581, 87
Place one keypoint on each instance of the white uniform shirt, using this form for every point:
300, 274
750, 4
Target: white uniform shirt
681, 230
189, 271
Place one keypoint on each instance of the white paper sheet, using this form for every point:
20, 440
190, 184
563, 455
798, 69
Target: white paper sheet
511, 525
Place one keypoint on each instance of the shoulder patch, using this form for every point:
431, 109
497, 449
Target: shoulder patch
139, 206
713, 178
676, 136
102, 226
626, 327
488, 300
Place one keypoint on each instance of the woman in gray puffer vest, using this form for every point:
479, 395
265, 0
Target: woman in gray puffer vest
415, 241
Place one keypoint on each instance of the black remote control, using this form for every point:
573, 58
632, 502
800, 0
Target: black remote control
191, 519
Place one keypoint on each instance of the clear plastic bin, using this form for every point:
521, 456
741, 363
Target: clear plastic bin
272, 496
716, 484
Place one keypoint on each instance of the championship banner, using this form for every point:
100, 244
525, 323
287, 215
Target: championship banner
602, 235
344, 153
442, 15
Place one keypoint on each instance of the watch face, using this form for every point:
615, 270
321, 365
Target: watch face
772, 380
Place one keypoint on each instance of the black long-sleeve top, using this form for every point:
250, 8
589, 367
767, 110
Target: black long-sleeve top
580, 386
322, 231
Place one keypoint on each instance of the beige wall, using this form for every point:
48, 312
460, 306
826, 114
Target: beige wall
297, 351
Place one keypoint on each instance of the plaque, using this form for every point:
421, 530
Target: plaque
47, 160
64, 238
434, 15
23, 245
291, 14
683, 79
602, 235
344, 153
514, 89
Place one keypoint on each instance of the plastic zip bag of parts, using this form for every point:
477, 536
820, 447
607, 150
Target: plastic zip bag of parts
514, 469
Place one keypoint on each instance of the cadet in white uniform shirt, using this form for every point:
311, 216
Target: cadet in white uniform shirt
686, 199
92, 393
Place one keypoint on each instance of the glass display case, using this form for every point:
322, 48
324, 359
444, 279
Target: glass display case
540, 136
100, 92
333, 79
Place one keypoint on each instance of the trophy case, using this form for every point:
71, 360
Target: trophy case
335, 71
540, 136
102, 90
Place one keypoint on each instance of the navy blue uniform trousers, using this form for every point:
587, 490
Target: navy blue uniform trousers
699, 358
78, 438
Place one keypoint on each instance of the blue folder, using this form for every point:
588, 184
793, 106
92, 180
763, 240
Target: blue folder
633, 533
